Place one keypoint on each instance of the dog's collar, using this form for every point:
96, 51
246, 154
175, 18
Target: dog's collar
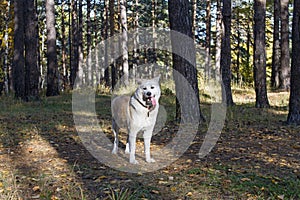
150, 108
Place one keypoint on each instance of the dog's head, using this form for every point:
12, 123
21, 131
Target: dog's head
149, 91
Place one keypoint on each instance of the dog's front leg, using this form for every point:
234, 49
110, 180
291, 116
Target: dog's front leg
147, 141
132, 146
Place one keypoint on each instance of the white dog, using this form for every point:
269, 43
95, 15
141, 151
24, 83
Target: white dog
136, 113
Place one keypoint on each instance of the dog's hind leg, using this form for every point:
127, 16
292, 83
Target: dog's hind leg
127, 149
115, 130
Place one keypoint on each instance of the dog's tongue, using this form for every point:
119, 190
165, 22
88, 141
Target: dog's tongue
153, 101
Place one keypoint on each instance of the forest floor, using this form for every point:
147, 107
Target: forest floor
42, 157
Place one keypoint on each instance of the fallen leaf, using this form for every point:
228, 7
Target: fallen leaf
36, 188
155, 191
189, 194
245, 179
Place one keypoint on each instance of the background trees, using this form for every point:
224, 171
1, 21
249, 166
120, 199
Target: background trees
226, 52
180, 21
294, 112
82, 24
25, 69
260, 54
52, 67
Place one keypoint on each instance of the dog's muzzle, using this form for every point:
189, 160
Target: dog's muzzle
149, 99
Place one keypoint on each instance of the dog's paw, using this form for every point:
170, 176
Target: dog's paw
151, 160
114, 151
135, 162
127, 151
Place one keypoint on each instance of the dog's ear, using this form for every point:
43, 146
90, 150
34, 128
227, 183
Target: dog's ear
156, 79
139, 81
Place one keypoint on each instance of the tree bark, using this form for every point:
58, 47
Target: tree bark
74, 58
207, 40
107, 45
80, 44
284, 71
180, 21
64, 47
90, 70
31, 49
226, 53
276, 46
260, 54
194, 16
124, 41
18, 68
218, 40
112, 50
52, 67
294, 103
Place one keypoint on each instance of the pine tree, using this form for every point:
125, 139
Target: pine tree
260, 54
52, 67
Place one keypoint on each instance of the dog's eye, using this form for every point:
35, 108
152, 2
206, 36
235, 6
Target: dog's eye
144, 88
152, 87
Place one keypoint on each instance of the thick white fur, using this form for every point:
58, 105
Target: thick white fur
128, 112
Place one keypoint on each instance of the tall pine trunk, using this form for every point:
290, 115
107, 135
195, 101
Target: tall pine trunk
284, 71
31, 49
180, 21
276, 46
18, 68
218, 40
90, 69
80, 43
64, 47
207, 40
226, 53
107, 45
260, 54
124, 48
136, 40
294, 104
52, 67
194, 16
74, 58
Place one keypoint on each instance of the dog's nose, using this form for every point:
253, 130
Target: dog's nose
148, 94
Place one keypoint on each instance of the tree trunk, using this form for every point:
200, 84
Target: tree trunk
124, 41
90, 70
260, 54
276, 46
284, 71
31, 49
18, 69
180, 21
95, 42
74, 44
238, 54
207, 40
80, 43
294, 104
154, 45
52, 67
136, 40
64, 47
106, 53
226, 53
194, 16
218, 40
112, 50
7, 48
